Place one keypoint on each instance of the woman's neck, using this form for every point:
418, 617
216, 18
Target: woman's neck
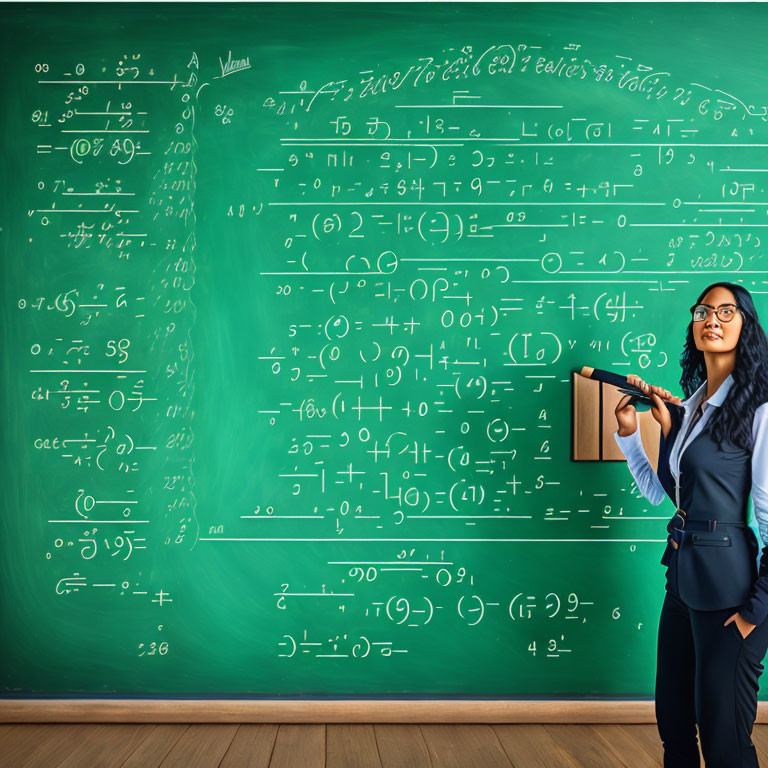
719, 365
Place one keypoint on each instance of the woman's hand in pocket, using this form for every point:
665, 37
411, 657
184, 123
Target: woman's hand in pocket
742, 625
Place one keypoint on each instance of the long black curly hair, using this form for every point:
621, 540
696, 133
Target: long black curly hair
732, 422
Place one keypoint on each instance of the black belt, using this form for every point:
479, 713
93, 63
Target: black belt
679, 523
710, 525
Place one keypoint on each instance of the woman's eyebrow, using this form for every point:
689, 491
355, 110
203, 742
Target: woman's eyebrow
727, 304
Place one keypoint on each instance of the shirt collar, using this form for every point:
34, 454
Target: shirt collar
717, 399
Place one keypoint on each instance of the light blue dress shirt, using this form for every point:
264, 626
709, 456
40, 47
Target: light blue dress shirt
648, 481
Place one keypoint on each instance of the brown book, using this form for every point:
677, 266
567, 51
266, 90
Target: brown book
593, 423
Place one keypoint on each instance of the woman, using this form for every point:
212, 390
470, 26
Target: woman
714, 450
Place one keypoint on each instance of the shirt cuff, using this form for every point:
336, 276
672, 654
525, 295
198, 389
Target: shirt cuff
754, 611
631, 445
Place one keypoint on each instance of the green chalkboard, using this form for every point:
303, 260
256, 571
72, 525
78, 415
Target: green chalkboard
291, 294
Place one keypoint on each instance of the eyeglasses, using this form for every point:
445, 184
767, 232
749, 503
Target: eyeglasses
725, 312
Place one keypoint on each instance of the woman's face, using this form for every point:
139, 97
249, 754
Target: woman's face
711, 335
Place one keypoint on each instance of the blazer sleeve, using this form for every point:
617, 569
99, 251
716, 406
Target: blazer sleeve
755, 608
640, 466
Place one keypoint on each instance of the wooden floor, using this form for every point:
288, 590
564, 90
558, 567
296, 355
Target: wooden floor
51, 745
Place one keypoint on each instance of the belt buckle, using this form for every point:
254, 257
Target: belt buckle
676, 534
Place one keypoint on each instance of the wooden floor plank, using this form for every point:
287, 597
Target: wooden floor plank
60, 742
252, 746
647, 738
299, 745
257, 745
351, 745
19, 740
401, 745
464, 746
627, 749
202, 745
532, 746
585, 747
107, 745
155, 748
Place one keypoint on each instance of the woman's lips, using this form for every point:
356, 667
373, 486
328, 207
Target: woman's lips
711, 336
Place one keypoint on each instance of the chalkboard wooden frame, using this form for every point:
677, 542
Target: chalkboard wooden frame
330, 711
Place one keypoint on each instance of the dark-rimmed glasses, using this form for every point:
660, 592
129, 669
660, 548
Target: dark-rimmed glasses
725, 312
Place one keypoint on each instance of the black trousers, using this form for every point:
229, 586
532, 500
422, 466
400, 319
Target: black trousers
707, 674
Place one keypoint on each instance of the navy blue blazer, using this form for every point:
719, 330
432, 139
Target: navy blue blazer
665, 447
710, 570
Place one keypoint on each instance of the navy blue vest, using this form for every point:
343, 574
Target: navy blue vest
715, 566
